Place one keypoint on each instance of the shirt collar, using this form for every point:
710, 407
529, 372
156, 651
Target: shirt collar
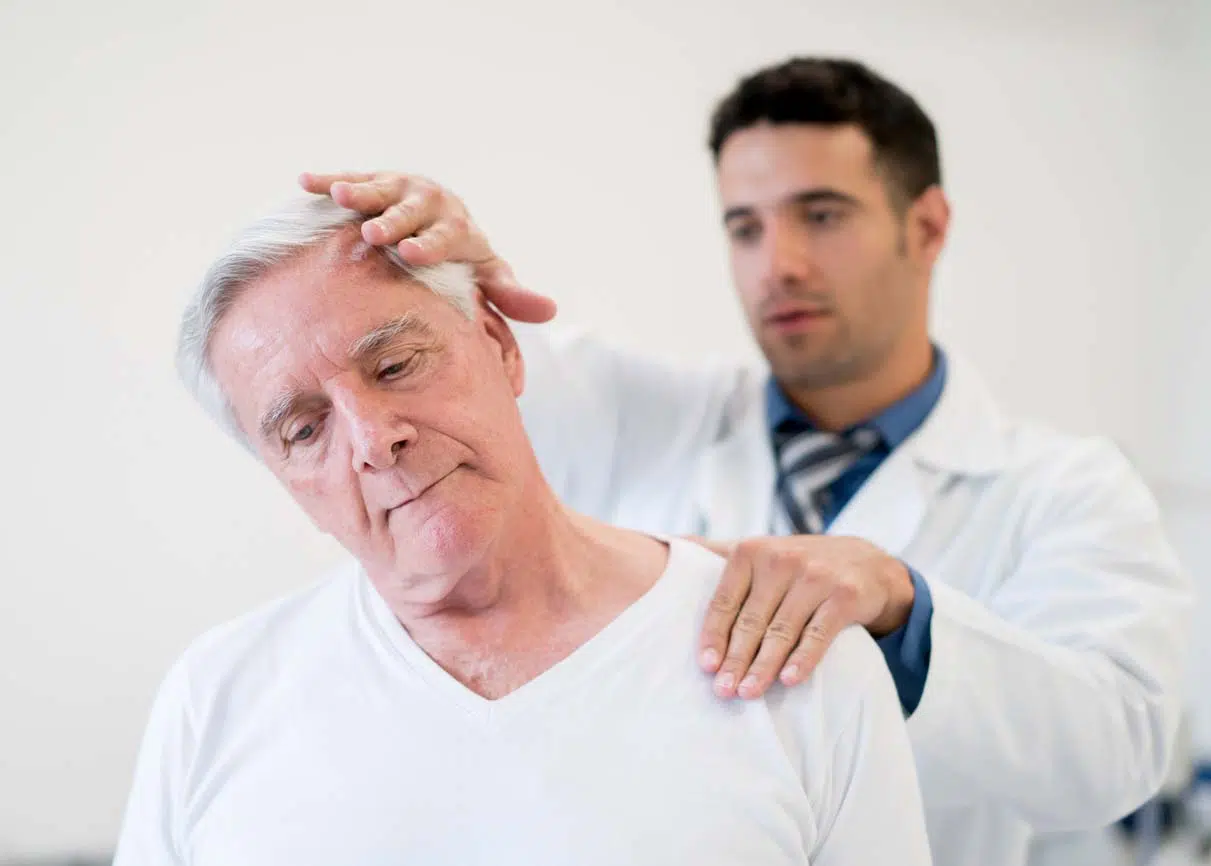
894, 424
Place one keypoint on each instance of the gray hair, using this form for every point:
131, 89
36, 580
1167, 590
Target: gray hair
253, 253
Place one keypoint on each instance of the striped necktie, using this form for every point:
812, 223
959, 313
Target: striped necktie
808, 463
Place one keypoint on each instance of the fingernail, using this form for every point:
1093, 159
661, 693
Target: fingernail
725, 682
748, 684
710, 659
789, 673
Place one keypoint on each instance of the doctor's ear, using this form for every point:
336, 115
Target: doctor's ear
501, 335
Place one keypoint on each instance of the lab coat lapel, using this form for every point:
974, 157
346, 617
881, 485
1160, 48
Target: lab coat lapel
963, 437
889, 508
737, 480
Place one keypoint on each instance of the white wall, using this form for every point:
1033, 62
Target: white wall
135, 135
1179, 352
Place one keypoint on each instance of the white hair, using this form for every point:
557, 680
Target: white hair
254, 252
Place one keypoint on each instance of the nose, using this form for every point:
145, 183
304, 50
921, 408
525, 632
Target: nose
786, 255
378, 429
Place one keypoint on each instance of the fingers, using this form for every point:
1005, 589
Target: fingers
401, 206
748, 632
321, 184
721, 614
429, 226
781, 638
821, 631
521, 305
438, 237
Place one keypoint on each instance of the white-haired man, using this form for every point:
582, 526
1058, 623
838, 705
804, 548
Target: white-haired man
497, 679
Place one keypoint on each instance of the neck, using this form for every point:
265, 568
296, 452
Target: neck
841, 406
532, 564
550, 581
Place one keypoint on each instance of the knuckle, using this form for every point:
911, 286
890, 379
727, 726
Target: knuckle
749, 623
815, 632
399, 212
781, 631
816, 569
724, 603
749, 548
427, 191
845, 594
387, 188
781, 559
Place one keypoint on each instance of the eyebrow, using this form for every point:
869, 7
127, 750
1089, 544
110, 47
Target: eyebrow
407, 325
804, 197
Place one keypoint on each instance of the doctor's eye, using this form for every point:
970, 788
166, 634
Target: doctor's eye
744, 232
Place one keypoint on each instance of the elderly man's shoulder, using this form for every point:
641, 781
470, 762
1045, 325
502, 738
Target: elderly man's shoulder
250, 650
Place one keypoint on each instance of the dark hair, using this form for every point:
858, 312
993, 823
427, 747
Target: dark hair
834, 92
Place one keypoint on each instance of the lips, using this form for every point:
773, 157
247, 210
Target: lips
423, 490
795, 318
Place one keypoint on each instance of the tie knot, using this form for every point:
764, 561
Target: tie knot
809, 461
800, 450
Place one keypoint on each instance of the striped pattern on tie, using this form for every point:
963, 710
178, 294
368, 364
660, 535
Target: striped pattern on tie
808, 463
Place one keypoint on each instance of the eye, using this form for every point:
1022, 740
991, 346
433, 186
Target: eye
301, 434
744, 233
398, 369
823, 217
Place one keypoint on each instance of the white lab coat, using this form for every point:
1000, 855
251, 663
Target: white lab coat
1061, 618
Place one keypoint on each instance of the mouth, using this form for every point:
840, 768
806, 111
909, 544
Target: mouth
793, 320
420, 493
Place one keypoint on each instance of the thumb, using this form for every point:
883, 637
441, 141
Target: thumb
502, 290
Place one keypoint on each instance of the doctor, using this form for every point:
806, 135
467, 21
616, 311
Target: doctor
1017, 578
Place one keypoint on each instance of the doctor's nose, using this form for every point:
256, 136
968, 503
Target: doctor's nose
785, 256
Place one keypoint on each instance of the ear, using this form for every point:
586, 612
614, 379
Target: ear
501, 334
928, 222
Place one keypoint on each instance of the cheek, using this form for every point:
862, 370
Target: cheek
746, 277
330, 501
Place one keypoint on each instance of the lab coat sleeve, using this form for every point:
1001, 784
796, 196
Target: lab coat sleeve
1058, 695
871, 811
604, 421
151, 831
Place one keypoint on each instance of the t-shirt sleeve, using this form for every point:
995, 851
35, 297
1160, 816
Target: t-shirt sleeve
861, 774
151, 829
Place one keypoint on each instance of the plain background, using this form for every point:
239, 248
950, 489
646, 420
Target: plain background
134, 136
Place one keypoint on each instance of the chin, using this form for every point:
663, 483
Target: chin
444, 543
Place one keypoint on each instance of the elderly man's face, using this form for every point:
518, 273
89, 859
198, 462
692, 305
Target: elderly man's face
389, 415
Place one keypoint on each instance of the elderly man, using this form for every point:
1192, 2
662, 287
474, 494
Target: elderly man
497, 679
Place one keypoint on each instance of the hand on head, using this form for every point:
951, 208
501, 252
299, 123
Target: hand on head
428, 224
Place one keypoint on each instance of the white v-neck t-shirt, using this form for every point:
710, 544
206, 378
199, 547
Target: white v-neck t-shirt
316, 733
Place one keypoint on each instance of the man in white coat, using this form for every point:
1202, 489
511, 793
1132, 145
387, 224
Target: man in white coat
1018, 580
496, 679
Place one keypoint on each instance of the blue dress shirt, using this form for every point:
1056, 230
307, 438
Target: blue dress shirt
907, 649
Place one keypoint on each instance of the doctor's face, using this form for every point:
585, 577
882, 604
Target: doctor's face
388, 415
830, 275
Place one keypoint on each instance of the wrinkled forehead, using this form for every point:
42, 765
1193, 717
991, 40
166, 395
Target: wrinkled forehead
312, 310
